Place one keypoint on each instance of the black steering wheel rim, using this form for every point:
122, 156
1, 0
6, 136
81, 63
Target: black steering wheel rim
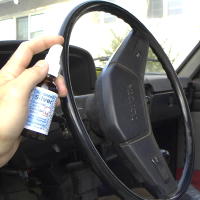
76, 124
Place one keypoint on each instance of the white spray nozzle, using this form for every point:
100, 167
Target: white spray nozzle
53, 59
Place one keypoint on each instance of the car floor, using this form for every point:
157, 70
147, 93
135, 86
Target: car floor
141, 191
192, 194
109, 198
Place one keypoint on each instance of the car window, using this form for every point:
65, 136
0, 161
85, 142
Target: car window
174, 23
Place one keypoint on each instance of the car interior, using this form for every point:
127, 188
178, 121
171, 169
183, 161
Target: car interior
62, 168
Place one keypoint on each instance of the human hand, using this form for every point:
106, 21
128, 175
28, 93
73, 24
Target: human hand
16, 83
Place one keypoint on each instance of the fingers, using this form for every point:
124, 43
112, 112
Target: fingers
60, 84
32, 76
23, 55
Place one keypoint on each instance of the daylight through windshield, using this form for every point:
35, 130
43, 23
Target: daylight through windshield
174, 23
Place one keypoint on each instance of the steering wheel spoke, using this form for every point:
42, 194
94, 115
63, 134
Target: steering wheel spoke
132, 54
149, 163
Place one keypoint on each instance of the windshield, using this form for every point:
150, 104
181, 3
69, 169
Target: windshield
174, 23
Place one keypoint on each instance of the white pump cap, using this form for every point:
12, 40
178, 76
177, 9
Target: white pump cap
53, 59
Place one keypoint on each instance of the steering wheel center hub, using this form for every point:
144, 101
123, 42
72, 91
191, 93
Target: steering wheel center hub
121, 104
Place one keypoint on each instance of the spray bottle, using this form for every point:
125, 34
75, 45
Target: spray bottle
43, 99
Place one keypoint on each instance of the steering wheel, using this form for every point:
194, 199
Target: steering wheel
119, 103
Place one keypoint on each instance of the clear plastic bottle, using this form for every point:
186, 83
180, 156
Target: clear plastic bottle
43, 99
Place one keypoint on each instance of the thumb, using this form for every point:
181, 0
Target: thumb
32, 76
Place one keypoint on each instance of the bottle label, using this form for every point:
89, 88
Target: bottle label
40, 110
